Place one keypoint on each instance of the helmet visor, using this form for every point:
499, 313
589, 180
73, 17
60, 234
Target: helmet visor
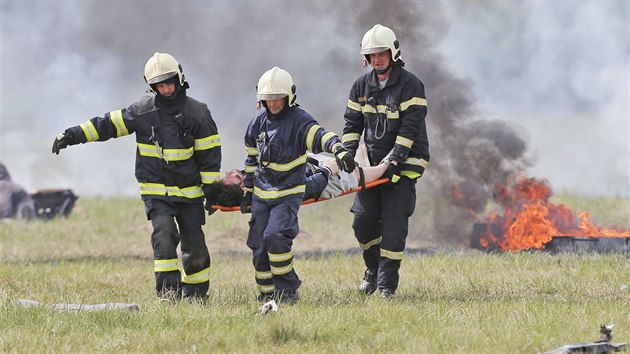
373, 50
161, 77
271, 96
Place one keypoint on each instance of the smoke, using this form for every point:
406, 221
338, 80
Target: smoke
79, 60
511, 88
560, 71
468, 153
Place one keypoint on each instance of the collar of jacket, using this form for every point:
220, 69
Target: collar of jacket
393, 78
283, 113
171, 106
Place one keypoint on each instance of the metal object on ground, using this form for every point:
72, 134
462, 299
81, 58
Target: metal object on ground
588, 244
80, 307
602, 345
50, 203
558, 244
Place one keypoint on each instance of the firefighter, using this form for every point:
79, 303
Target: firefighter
388, 107
277, 141
178, 157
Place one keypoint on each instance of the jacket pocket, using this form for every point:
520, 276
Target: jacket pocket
412, 197
393, 120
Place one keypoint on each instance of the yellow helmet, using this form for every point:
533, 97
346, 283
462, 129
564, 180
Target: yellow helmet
274, 84
379, 39
162, 66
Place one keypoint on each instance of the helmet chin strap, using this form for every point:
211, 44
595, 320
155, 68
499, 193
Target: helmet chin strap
367, 62
383, 71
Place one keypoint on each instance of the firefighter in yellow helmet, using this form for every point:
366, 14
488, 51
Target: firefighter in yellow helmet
387, 107
178, 157
277, 141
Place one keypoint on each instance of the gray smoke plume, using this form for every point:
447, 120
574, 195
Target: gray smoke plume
481, 63
469, 155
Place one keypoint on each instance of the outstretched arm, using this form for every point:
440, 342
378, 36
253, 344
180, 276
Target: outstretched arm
372, 173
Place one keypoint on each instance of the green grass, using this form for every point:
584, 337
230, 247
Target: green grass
451, 300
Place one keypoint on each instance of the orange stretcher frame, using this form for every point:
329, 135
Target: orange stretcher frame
314, 200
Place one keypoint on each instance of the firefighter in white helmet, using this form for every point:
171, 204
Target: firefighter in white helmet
387, 107
277, 141
178, 157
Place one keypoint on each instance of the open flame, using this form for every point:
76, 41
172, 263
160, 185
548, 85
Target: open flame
529, 220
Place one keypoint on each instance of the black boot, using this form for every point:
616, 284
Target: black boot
387, 293
287, 297
264, 297
368, 284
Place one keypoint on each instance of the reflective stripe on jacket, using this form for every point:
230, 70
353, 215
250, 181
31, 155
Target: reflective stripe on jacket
391, 117
176, 155
276, 147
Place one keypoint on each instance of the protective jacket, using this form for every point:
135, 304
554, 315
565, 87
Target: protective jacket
178, 151
276, 151
391, 117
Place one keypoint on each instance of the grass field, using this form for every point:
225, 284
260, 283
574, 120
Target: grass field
451, 299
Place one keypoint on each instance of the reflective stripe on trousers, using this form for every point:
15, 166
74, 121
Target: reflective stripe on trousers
382, 213
273, 226
195, 258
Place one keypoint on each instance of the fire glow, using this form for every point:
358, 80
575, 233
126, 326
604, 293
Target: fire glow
529, 220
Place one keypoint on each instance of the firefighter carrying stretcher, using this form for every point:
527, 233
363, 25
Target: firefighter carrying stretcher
388, 107
277, 141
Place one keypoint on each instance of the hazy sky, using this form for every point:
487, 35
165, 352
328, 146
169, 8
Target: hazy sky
541, 84
559, 69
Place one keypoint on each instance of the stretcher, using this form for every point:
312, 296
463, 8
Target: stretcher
313, 200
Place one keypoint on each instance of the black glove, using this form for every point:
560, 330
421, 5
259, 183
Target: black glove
246, 203
209, 203
344, 159
211, 211
393, 171
61, 142
313, 161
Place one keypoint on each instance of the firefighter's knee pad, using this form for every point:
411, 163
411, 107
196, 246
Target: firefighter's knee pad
279, 242
366, 228
165, 237
196, 259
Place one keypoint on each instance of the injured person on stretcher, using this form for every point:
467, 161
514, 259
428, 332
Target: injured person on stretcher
324, 180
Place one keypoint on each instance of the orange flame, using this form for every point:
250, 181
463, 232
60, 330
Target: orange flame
529, 220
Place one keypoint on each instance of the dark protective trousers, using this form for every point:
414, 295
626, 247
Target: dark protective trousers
381, 223
165, 238
272, 228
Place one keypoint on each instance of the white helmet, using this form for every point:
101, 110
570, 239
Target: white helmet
274, 84
379, 39
162, 66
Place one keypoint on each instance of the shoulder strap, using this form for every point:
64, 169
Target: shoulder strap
361, 178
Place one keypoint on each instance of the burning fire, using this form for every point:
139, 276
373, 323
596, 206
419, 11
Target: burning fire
529, 220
